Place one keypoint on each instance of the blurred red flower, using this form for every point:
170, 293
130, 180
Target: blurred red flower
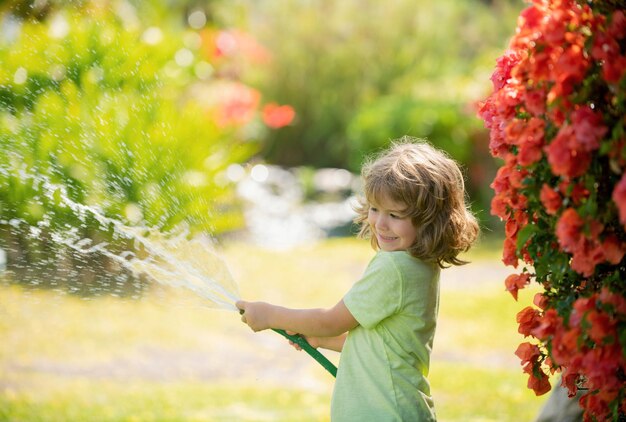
550, 199
277, 116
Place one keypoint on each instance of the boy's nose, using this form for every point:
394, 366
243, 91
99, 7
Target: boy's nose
381, 222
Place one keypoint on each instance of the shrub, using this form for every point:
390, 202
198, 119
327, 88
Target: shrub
556, 118
339, 63
136, 120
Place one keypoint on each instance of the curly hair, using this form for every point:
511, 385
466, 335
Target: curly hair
431, 184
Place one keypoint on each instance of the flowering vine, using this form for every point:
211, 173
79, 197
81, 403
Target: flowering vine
556, 118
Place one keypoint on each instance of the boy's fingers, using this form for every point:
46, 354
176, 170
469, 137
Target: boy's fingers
241, 305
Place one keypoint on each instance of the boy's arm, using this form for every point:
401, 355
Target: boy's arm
332, 343
319, 322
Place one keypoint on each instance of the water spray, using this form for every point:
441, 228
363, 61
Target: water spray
172, 260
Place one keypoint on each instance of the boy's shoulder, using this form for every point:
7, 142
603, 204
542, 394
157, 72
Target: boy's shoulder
403, 261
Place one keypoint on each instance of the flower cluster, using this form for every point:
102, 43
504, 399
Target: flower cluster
557, 118
232, 102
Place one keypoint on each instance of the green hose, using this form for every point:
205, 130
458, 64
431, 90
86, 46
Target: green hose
313, 352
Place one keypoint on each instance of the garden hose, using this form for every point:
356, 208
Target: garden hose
313, 352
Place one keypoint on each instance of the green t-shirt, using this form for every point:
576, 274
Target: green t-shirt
384, 362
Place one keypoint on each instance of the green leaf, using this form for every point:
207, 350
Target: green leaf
525, 234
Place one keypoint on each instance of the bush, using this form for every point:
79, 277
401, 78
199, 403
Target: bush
128, 119
340, 63
556, 118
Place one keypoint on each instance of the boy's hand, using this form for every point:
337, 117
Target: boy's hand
313, 341
255, 314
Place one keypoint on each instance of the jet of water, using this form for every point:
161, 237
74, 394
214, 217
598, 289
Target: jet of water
170, 259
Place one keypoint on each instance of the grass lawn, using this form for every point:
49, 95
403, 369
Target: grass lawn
163, 358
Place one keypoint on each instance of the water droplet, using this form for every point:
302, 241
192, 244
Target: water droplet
203, 70
184, 57
57, 72
196, 19
133, 213
59, 28
192, 40
152, 36
20, 76
195, 178
235, 172
259, 173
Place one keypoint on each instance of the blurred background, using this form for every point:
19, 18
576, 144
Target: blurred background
245, 123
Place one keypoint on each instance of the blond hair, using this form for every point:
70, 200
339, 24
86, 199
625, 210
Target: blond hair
431, 185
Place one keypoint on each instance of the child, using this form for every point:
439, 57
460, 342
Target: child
414, 211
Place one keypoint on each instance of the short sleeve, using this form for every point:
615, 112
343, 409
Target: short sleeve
378, 294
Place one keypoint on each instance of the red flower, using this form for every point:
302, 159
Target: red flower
276, 116
565, 346
514, 282
602, 326
578, 193
619, 197
586, 250
588, 128
509, 256
569, 380
568, 229
528, 352
511, 228
529, 25
617, 301
535, 101
237, 103
564, 157
540, 301
538, 381
531, 142
528, 319
617, 28
586, 257
597, 404
550, 199
606, 49
548, 325
504, 64
613, 249
501, 183
499, 206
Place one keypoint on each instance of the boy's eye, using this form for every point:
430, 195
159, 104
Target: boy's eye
373, 209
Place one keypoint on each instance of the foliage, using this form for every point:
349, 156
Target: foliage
362, 73
556, 118
93, 105
137, 120
349, 68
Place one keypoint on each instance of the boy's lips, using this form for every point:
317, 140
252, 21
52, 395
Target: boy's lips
386, 238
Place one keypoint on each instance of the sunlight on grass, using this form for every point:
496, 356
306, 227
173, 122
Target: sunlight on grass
465, 392
82, 399
165, 358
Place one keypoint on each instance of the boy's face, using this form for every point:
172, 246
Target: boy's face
393, 229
